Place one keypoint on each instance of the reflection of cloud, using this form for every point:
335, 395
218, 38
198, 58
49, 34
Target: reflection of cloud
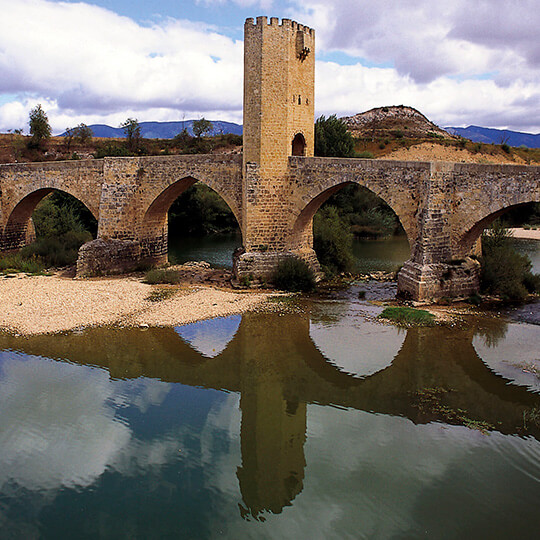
58, 426
516, 356
360, 350
212, 336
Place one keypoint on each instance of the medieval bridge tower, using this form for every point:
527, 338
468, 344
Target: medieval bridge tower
279, 96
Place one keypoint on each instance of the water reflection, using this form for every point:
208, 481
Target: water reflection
150, 407
212, 336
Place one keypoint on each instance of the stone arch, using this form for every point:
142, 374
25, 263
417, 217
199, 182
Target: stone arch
473, 230
302, 230
299, 145
17, 232
154, 232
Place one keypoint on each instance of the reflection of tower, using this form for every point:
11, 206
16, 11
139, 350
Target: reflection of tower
273, 433
273, 430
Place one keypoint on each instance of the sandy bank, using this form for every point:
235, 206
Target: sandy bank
528, 234
48, 304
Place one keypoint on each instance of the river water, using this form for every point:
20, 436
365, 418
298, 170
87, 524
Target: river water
317, 423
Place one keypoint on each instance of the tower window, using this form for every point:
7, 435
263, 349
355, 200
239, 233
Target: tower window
299, 100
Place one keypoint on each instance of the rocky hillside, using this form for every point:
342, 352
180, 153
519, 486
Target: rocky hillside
393, 122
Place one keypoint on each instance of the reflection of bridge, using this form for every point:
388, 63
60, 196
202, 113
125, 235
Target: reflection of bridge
277, 187
277, 374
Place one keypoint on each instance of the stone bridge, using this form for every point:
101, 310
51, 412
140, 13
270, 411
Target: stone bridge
276, 186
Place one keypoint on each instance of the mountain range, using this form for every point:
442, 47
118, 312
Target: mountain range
165, 130
496, 136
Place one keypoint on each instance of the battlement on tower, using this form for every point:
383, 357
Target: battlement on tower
285, 23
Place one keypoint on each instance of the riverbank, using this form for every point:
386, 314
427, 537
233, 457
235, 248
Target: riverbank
51, 304
525, 234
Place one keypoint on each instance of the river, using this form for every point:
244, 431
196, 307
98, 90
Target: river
317, 422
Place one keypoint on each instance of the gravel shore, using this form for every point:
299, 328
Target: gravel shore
49, 304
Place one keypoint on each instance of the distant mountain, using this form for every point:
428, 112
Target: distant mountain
496, 136
164, 130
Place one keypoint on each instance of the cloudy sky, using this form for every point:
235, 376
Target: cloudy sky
102, 61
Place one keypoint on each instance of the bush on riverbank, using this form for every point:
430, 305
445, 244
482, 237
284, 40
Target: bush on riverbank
505, 272
332, 241
294, 275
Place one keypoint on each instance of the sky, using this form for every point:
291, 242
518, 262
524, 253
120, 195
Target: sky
103, 61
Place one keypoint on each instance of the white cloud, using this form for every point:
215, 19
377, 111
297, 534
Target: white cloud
89, 61
457, 62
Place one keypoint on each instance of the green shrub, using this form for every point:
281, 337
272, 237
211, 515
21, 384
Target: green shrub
408, 316
332, 138
294, 275
332, 241
505, 272
505, 148
365, 155
162, 276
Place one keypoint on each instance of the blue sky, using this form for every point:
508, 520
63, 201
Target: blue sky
101, 61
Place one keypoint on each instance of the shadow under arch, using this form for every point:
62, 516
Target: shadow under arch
302, 231
18, 231
471, 235
155, 234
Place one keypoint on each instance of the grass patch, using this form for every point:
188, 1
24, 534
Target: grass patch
408, 316
17, 263
156, 276
160, 294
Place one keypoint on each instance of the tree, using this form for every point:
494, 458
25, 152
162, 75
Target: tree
83, 133
40, 128
332, 138
202, 126
132, 129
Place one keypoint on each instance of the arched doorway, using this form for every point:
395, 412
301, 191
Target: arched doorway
299, 145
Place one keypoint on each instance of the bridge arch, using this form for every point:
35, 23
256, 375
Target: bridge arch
474, 226
154, 232
302, 229
17, 231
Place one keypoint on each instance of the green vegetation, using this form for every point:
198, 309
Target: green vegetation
201, 211
62, 225
332, 138
132, 129
201, 127
332, 241
294, 275
40, 128
505, 272
407, 316
160, 275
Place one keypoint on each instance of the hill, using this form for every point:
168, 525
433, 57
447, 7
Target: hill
497, 136
164, 130
393, 121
